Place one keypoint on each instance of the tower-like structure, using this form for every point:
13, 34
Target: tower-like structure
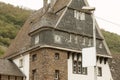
48, 47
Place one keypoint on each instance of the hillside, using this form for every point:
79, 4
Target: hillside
113, 41
11, 20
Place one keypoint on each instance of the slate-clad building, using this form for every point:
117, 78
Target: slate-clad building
49, 45
9, 71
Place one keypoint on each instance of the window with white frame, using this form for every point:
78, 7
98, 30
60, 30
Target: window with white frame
100, 45
84, 70
79, 15
99, 71
57, 39
83, 42
70, 38
21, 63
36, 39
56, 75
57, 56
77, 66
76, 39
90, 42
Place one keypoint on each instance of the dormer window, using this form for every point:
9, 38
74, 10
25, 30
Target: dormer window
100, 45
36, 39
57, 39
21, 63
79, 15
83, 43
90, 42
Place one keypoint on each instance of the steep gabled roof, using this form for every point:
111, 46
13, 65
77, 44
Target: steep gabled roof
9, 68
22, 40
62, 18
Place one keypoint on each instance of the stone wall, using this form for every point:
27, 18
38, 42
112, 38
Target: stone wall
46, 64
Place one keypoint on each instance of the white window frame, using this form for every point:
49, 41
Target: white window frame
99, 71
57, 39
21, 63
37, 38
90, 42
82, 16
84, 40
100, 45
56, 74
75, 67
79, 15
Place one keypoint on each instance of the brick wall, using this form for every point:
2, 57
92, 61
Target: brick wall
46, 64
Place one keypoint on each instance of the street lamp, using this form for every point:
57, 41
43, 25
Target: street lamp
91, 10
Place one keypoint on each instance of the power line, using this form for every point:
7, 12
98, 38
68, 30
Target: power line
118, 25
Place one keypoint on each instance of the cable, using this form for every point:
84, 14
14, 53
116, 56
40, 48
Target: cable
118, 25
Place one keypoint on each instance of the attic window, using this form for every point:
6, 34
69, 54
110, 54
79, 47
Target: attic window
83, 43
100, 45
36, 39
57, 39
90, 42
79, 15
21, 63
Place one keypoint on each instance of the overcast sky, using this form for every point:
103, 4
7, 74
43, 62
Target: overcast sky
107, 12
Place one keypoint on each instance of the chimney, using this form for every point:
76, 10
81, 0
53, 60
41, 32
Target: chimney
45, 2
52, 3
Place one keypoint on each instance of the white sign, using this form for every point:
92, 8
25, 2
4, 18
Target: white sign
88, 57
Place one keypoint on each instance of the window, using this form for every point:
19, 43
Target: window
99, 71
56, 74
34, 74
100, 45
57, 39
79, 15
56, 56
74, 66
21, 63
36, 39
90, 42
79, 67
83, 43
84, 70
82, 16
76, 39
34, 57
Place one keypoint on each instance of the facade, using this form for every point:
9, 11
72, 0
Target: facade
49, 45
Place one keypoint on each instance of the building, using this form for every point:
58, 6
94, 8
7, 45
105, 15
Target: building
48, 47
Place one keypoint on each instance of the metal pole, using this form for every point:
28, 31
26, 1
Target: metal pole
94, 44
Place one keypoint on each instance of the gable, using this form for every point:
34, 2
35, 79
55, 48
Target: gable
69, 23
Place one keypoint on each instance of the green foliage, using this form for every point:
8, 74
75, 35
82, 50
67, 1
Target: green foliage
11, 20
112, 40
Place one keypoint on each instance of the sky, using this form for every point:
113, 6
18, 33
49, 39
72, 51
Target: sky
107, 12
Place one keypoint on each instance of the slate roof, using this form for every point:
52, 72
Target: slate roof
44, 17
9, 68
115, 66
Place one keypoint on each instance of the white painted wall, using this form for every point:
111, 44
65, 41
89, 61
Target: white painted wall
25, 68
106, 74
